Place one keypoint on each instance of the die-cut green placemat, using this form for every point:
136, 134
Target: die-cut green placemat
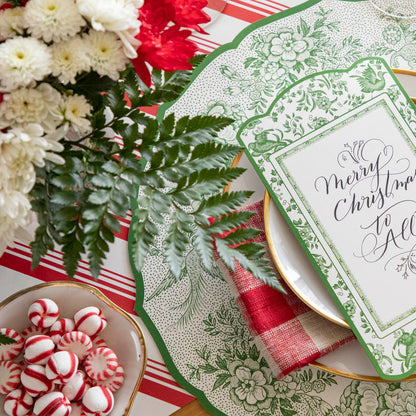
224, 85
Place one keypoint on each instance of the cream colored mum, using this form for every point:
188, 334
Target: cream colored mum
119, 16
53, 20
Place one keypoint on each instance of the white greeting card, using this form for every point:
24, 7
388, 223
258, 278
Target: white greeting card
341, 151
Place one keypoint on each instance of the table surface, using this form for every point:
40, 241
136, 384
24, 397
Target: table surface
159, 394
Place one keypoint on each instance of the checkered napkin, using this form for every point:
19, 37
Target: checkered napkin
288, 333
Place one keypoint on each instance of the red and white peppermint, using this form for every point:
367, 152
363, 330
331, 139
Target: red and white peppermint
38, 349
101, 363
18, 403
9, 376
90, 320
115, 381
33, 330
97, 342
10, 351
52, 404
61, 366
75, 388
43, 312
61, 327
34, 380
98, 401
76, 342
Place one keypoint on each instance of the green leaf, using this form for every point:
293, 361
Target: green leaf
5, 340
221, 204
220, 380
241, 235
99, 197
204, 245
175, 246
230, 221
143, 240
66, 197
287, 412
72, 250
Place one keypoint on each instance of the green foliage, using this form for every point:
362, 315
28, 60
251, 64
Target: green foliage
5, 340
178, 167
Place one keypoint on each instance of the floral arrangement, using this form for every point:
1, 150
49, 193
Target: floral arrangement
76, 145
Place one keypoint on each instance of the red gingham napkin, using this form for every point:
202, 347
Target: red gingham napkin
288, 333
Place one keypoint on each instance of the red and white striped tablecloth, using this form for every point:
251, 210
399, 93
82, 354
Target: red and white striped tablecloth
158, 393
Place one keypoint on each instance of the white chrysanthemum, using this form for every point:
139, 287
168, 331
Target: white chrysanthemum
11, 23
75, 109
69, 58
120, 16
31, 105
113, 15
15, 214
22, 61
106, 53
53, 20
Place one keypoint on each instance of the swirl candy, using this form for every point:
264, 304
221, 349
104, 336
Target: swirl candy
98, 401
61, 327
52, 404
10, 351
61, 366
101, 364
75, 388
38, 349
90, 320
115, 381
9, 376
33, 330
97, 342
18, 403
76, 342
43, 312
34, 380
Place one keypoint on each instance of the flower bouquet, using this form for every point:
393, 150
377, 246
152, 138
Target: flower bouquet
77, 145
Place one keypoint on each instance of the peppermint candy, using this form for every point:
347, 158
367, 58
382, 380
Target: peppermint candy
61, 327
98, 400
18, 403
9, 376
34, 380
90, 320
76, 342
38, 349
52, 404
101, 364
115, 381
61, 366
11, 351
43, 312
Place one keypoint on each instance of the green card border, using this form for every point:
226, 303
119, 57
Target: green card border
294, 229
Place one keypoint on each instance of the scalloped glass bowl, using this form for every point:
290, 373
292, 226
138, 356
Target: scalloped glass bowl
122, 333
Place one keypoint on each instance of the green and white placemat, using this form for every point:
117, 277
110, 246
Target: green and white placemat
195, 322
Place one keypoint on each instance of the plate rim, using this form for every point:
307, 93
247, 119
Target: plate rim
278, 264
100, 295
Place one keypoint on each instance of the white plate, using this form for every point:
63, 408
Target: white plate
290, 259
122, 333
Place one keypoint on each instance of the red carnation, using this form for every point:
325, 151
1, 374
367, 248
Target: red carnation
163, 46
189, 13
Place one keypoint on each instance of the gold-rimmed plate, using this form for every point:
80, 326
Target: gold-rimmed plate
122, 333
295, 268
